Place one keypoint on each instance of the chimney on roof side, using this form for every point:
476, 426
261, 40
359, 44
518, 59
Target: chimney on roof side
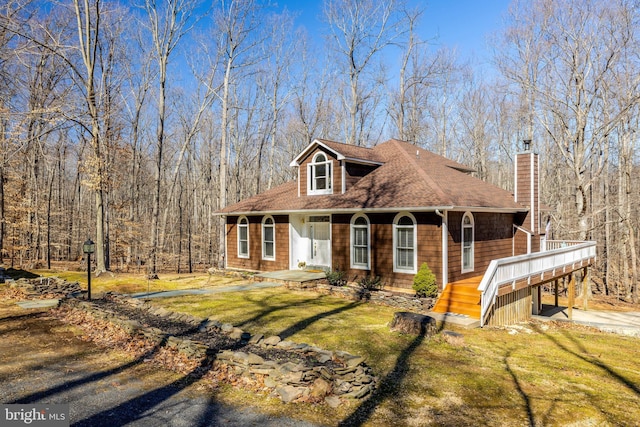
526, 185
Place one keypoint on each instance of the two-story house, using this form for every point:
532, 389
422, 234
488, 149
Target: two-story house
384, 211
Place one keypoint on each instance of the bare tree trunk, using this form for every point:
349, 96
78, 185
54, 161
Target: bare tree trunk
50, 196
168, 24
88, 25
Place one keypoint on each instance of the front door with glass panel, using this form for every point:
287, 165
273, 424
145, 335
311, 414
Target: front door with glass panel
320, 240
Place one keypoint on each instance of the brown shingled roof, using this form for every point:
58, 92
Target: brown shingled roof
410, 177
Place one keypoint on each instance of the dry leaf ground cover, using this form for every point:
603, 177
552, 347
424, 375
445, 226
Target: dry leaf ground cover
534, 374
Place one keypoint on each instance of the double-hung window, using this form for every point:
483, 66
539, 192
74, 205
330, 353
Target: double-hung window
320, 172
360, 242
404, 244
268, 239
243, 237
467, 242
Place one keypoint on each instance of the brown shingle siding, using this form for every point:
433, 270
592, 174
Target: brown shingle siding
492, 239
255, 261
381, 232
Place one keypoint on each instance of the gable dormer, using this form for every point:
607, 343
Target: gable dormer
327, 167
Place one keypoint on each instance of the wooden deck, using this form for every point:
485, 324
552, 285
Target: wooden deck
461, 297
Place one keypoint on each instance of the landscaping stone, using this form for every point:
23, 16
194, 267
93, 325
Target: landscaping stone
272, 340
254, 359
391, 299
309, 371
289, 393
255, 339
320, 388
286, 345
332, 401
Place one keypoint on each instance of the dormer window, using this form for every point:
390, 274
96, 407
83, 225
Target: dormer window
319, 173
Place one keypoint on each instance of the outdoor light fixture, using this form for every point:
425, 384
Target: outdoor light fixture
527, 144
88, 248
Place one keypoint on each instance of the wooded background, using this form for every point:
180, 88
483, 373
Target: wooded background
133, 123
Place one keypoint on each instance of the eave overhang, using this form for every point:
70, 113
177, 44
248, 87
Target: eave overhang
478, 209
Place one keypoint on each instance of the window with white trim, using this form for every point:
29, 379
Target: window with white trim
404, 244
243, 237
319, 173
467, 242
360, 248
268, 238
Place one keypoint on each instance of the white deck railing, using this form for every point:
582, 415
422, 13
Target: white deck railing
549, 245
509, 270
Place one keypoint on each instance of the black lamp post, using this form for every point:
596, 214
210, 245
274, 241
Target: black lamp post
88, 248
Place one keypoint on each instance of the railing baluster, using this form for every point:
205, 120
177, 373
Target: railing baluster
558, 254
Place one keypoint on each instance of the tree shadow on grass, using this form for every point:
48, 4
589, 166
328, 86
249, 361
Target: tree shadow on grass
26, 316
16, 274
305, 323
388, 387
268, 309
519, 389
633, 387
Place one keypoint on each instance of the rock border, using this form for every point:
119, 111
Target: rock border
333, 375
355, 292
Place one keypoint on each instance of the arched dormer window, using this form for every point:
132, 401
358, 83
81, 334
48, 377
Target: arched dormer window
243, 237
468, 233
268, 238
360, 247
405, 253
319, 173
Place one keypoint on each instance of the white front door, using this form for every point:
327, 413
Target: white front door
320, 240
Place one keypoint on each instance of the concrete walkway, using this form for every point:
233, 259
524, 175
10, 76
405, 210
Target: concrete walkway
248, 286
623, 323
39, 303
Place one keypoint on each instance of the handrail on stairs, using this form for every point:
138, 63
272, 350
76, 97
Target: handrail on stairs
512, 269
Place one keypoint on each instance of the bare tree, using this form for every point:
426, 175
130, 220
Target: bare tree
578, 48
88, 17
237, 25
359, 30
169, 21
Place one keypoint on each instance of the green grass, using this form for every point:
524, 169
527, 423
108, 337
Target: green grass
534, 375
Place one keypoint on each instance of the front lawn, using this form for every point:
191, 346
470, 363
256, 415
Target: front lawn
132, 282
535, 374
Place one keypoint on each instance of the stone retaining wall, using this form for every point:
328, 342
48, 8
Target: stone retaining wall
387, 298
332, 376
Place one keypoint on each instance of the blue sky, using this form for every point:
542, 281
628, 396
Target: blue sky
464, 24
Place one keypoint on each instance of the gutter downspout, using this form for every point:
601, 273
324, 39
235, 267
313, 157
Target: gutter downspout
529, 236
445, 247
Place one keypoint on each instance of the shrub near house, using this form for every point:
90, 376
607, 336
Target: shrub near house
424, 283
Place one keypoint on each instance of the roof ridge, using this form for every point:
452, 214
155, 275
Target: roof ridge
430, 182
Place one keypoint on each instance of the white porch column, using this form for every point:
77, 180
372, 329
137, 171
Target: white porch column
445, 247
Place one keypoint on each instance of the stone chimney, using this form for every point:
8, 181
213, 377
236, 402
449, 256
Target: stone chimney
526, 185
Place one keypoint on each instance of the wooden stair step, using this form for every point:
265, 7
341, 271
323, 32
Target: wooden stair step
472, 299
460, 297
456, 306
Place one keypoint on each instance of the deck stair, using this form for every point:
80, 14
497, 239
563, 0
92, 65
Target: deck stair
461, 297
